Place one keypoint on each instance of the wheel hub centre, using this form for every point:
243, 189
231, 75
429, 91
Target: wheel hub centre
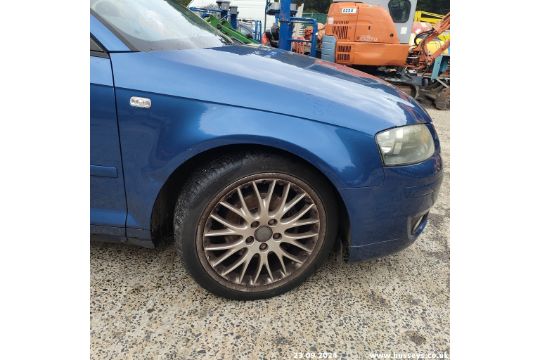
263, 234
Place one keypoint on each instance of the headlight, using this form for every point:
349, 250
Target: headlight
405, 145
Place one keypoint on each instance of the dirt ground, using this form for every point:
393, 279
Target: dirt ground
145, 306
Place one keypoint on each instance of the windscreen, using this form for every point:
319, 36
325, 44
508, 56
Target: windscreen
147, 25
399, 10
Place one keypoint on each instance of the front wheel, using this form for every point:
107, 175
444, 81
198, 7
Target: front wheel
255, 226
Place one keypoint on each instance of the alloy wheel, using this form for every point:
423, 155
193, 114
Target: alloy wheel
262, 232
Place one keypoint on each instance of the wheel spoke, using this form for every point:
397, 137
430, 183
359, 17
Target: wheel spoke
302, 223
227, 224
244, 268
220, 232
293, 202
233, 209
225, 256
268, 197
259, 268
236, 264
304, 235
292, 257
282, 263
217, 247
279, 211
261, 207
298, 216
268, 270
298, 244
244, 207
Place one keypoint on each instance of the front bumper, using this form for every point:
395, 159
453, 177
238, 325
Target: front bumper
389, 217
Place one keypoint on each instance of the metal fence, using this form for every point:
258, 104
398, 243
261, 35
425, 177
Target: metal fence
320, 17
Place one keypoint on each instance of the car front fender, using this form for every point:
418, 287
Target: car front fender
157, 141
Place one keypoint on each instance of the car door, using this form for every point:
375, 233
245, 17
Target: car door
107, 193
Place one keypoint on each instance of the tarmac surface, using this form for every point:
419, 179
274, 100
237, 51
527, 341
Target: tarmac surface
144, 305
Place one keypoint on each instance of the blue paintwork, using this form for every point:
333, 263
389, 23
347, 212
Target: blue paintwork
325, 113
383, 214
108, 200
104, 171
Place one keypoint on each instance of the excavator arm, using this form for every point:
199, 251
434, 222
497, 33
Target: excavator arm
425, 58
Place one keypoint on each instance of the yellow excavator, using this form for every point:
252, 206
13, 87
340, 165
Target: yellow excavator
429, 17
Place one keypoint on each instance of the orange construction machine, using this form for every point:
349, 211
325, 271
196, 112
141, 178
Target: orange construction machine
377, 33
365, 35
374, 35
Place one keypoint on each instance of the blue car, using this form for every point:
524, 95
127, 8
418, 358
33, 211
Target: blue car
256, 161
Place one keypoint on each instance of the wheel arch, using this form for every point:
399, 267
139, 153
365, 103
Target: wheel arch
163, 208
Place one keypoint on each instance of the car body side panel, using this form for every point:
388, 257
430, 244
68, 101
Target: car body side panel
158, 140
107, 200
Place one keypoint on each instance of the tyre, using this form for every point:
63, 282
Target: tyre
254, 226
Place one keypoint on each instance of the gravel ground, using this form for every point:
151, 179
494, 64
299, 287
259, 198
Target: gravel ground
145, 306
